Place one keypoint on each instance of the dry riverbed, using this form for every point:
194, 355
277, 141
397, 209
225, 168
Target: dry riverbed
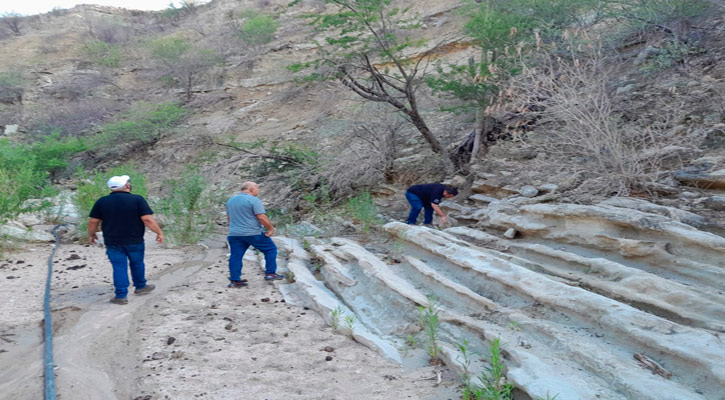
192, 338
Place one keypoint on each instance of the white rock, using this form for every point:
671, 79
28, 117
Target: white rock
548, 187
11, 129
529, 191
26, 234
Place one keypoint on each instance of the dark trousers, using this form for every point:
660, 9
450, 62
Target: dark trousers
416, 204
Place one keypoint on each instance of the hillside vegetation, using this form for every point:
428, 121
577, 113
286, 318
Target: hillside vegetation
328, 99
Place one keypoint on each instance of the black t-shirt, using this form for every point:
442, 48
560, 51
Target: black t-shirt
428, 192
120, 213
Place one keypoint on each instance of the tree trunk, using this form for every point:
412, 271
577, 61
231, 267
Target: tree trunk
477, 133
189, 80
450, 162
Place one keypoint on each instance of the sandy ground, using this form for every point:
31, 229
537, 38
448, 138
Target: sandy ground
192, 338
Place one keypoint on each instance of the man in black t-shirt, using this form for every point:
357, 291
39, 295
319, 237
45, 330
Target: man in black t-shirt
428, 196
124, 217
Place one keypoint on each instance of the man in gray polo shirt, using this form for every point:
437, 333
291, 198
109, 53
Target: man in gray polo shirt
247, 222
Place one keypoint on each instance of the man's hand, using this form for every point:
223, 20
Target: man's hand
444, 220
92, 229
266, 223
151, 223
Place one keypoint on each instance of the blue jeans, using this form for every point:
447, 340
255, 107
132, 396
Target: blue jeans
121, 257
415, 205
238, 245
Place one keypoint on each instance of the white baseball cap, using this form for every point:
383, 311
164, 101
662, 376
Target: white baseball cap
118, 182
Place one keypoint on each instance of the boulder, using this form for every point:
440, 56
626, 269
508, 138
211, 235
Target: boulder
529, 191
702, 179
493, 188
11, 129
645, 206
548, 187
481, 199
305, 228
26, 234
715, 203
714, 138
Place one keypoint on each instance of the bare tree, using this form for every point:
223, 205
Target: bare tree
107, 30
372, 58
368, 153
11, 20
183, 63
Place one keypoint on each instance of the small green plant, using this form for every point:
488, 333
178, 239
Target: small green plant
672, 54
430, 322
493, 384
514, 326
291, 277
104, 54
186, 208
12, 86
468, 389
335, 317
257, 29
363, 210
349, 321
307, 246
411, 341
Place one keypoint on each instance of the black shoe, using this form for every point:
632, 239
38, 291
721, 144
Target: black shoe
274, 277
238, 284
119, 300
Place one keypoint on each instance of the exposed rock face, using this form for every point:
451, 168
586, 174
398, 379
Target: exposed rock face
618, 300
715, 202
706, 173
645, 206
36, 226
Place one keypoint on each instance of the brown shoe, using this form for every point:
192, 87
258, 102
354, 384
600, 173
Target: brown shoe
146, 289
119, 300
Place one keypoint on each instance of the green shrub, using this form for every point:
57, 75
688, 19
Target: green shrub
52, 154
187, 214
672, 54
258, 29
430, 322
494, 385
12, 86
25, 169
169, 49
278, 158
11, 79
144, 124
104, 54
363, 210
20, 182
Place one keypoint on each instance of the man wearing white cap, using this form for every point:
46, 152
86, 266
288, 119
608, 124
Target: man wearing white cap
124, 216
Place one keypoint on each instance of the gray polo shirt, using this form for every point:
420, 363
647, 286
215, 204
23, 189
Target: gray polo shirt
243, 210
